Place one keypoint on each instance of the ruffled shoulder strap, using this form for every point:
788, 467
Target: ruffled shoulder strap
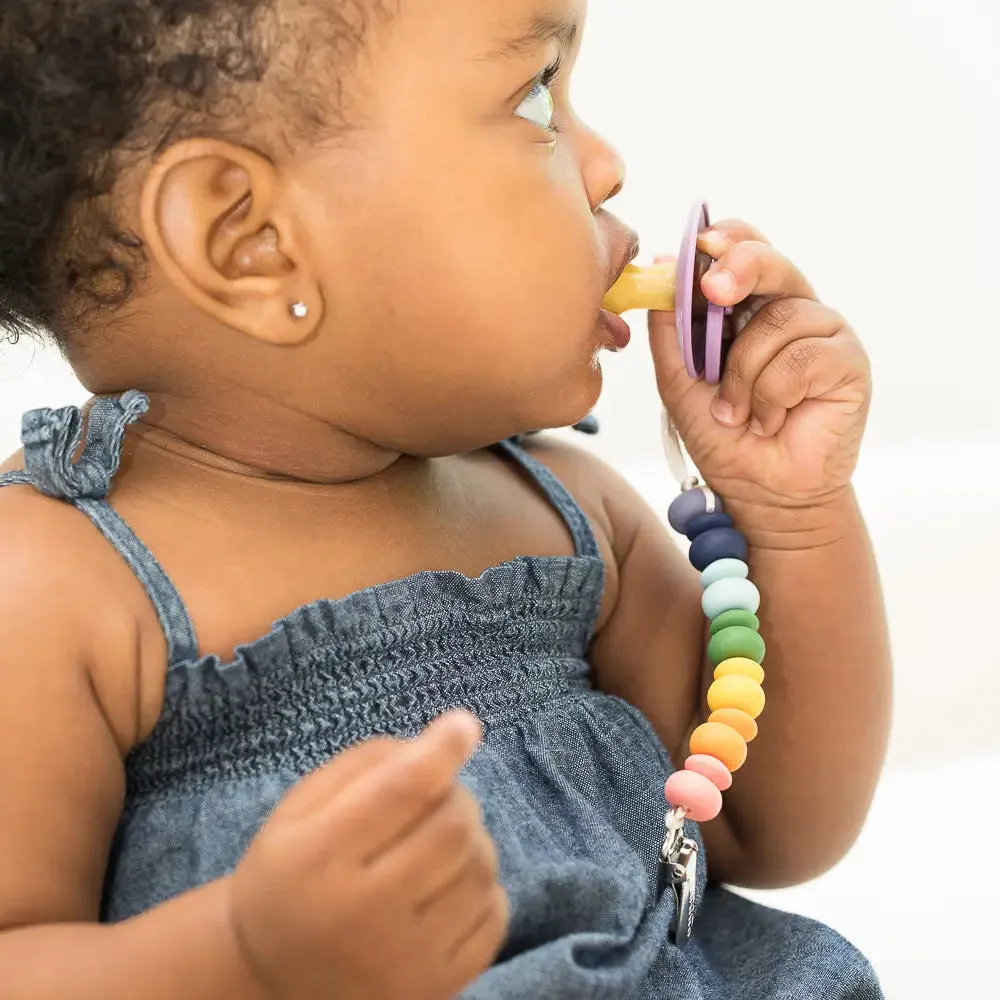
56, 465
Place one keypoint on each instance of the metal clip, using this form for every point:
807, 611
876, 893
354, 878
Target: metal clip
679, 871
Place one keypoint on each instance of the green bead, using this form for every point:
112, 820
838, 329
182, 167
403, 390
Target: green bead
735, 617
736, 640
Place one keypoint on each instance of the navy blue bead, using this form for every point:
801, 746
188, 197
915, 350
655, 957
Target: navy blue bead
719, 543
706, 522
690, 504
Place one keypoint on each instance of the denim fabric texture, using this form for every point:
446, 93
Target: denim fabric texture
570, 780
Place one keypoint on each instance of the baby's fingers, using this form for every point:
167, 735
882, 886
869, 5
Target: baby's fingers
811, 369
754, 269
396, 796
769, 335
727, 233
824, 370
784, 384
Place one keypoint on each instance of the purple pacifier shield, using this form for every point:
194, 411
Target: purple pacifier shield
713, 344
702, 348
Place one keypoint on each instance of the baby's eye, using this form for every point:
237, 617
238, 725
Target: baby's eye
538, 107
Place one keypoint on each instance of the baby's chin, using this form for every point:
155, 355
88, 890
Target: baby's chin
568, 401
570, 394
557, 403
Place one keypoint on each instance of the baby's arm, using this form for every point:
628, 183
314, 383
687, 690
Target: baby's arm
62, 735
184, 948
799, 802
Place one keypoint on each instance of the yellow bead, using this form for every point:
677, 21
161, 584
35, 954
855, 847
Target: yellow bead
737, 691
739, 721
721, 742
740, 665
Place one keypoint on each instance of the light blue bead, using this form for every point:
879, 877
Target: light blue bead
729, 594
721, 569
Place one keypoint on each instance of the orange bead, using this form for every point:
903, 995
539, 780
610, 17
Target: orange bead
740, 665
722, 742
737, 691
739, 721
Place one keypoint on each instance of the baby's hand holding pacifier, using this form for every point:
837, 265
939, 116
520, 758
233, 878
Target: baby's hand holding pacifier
784, 425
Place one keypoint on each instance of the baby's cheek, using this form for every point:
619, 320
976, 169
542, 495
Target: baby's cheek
568, 300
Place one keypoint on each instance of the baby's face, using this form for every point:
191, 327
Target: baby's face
460, 242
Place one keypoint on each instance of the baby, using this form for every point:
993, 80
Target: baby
318, 678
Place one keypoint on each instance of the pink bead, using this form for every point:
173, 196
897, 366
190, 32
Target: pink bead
712, 768
695, 793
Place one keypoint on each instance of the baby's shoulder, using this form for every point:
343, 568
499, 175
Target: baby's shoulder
69, 603
49, 547
612, 504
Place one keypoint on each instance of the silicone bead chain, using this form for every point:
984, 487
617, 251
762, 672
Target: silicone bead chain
736, 697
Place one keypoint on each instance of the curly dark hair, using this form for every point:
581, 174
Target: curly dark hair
86, 83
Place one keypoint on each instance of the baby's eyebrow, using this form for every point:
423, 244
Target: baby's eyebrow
542, 29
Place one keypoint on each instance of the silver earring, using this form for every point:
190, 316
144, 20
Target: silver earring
299, 310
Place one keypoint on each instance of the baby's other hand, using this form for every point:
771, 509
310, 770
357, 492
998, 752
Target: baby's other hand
375, 877
784, 426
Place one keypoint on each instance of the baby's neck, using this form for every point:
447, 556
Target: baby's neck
261, 438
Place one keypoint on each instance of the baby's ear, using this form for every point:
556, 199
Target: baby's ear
212, 221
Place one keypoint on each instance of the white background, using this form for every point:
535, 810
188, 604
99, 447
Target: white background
860, 136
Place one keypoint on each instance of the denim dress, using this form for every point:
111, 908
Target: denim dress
570, 780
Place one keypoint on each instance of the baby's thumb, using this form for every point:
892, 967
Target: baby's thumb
451, 739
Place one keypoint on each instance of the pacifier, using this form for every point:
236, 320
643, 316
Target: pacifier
703, 329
